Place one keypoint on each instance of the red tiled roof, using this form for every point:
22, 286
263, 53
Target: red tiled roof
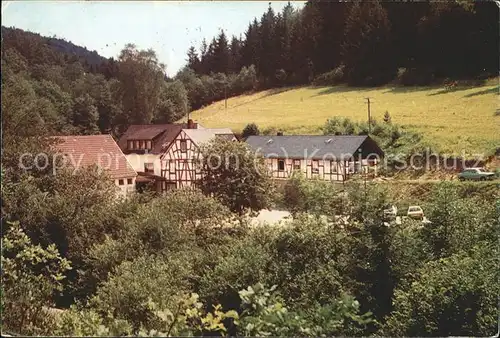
160, 134
101, 150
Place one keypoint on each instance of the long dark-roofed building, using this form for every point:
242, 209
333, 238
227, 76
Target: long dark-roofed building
326, 157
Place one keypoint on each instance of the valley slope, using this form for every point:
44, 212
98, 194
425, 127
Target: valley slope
456, 120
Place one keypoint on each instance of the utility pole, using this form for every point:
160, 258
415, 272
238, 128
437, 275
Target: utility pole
369, 116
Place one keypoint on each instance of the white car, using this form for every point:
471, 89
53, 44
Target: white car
391, 212
415, 212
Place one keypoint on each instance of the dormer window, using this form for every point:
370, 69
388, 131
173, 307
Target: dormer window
139, 144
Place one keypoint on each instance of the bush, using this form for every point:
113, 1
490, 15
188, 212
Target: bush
280, 76
250, 129
331, 78
457, 222
392, 138
205, 89
387, 117
161, 280
265, 314
307, 259
269, 131
455, 296
233, 267
180, 221
87, 323
233, 175
31, 275
415, 77
313, 196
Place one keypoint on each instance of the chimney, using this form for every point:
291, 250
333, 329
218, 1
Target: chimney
191, 124
280, 133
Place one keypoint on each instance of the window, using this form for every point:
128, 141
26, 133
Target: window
148, 144
136, 144
183, 146
120, 182
333, 166
149, 168
315, 169
141, 144
167, 186
130, 145
129, 181
296, 164
358, 167
281, 165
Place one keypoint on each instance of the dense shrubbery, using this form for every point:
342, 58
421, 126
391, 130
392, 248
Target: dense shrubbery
414, 77
331, 78
249, 130
143, 269
456, 295
31, 275
313, 196
235, 176
206, 89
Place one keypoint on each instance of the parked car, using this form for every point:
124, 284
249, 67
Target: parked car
476, 174
390, 212
415, 212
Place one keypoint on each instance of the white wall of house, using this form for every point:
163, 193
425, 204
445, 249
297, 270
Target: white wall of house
319, 169
126, 185
138, 161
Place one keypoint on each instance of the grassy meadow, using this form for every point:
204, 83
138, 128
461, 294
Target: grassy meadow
464, 119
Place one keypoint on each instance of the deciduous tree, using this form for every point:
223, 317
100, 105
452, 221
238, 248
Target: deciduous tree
141, 77
233, 174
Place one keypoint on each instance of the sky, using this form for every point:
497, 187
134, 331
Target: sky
168, 27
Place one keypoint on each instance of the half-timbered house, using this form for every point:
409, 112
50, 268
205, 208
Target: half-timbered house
143, 145
334, 158
180, 159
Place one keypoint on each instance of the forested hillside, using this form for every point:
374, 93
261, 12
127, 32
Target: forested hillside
360, 43
52, 49
324, 43
52, 87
